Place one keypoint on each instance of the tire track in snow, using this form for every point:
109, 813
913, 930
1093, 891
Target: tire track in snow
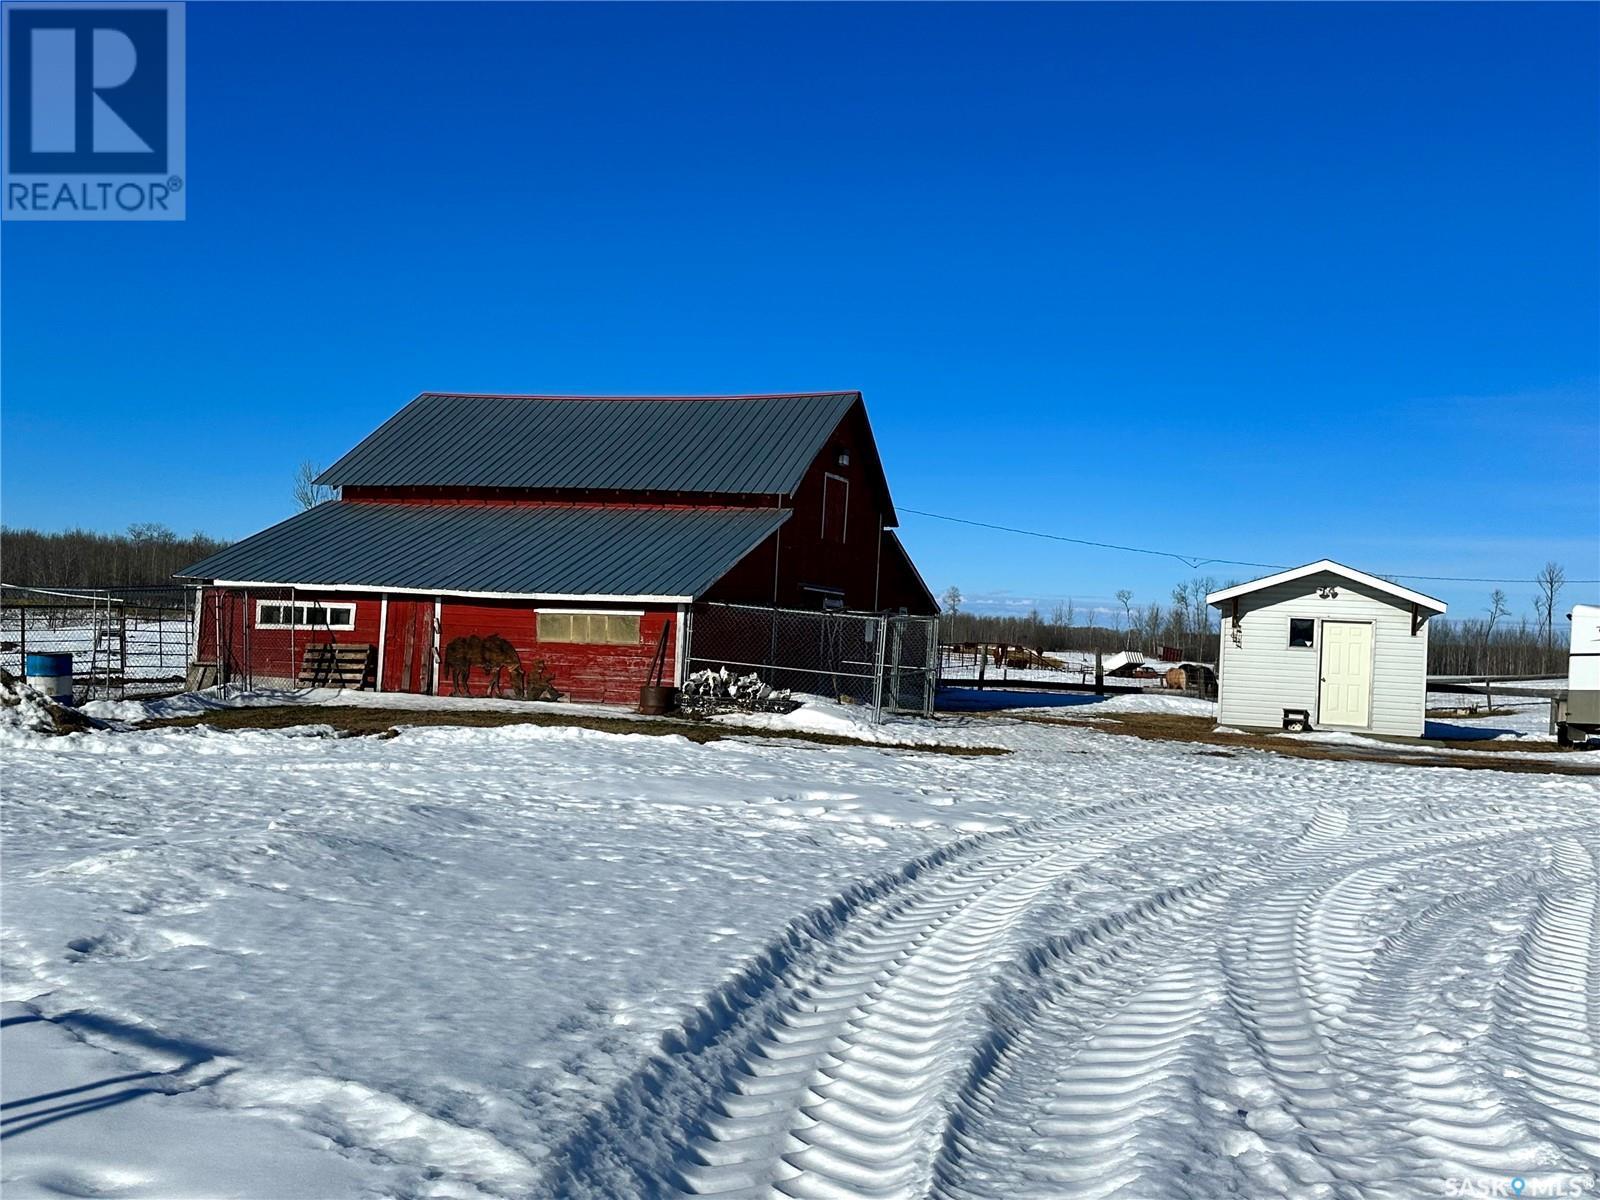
1444, 1118
1546, 1007
1094, 1038
1292, 968
835, 1068
827, 1069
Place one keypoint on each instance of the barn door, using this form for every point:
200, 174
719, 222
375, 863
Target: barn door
408, 645
1346, 693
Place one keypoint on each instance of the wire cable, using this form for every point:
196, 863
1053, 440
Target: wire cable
1195, 561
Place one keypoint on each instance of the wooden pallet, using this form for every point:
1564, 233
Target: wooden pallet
347, 665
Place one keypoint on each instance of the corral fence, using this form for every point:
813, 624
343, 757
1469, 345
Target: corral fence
889, 664
1000, 664
125, 642
286, 639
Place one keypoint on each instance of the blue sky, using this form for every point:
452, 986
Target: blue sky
1248, 282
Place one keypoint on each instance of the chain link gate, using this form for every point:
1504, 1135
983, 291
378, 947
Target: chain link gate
885, 663
125, 642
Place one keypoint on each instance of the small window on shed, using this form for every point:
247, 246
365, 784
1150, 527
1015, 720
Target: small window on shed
1302, 631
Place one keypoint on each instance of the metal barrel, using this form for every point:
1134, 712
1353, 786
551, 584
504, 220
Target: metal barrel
50, 674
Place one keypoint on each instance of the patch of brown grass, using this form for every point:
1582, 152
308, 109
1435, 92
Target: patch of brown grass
1171, 727
355, 721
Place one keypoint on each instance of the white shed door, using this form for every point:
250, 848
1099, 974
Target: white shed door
1346, 673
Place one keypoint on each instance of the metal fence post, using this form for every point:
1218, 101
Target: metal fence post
122, 647
882, 624
197, 598
247, 626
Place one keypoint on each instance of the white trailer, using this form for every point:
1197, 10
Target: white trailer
1575, 714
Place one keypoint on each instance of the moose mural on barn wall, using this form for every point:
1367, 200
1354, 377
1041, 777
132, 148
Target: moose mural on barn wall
499, 660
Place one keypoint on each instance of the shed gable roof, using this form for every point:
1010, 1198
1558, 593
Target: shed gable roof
1332, 568
544, 550
735, 445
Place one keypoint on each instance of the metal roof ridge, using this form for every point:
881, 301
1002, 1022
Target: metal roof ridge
559, 396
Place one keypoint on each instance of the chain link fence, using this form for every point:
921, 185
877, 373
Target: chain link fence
124, 642
886, 663
286, 639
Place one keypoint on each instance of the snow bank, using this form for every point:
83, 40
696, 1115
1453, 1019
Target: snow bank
26, 713
824, 715
229, 696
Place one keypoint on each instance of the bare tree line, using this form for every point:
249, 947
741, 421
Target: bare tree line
1494, 643
1185, 623
147, 553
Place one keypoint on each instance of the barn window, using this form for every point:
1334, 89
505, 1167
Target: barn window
315, 615
1302, 631
590, 628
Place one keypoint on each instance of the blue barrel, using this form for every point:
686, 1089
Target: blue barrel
50, 674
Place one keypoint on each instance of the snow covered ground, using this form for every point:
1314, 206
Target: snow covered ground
538, 961
1516, 718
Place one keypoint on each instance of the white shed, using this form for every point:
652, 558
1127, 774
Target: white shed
1345, 649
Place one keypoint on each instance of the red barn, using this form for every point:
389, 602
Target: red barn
555, 544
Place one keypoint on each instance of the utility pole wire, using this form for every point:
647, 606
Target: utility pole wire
1193, 561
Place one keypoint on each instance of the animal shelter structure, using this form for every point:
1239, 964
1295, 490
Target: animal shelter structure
557, 546
1324, 646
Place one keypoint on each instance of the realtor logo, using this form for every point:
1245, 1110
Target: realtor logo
94, 121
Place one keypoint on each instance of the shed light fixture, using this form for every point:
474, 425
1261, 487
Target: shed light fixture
844, 458
1328, 593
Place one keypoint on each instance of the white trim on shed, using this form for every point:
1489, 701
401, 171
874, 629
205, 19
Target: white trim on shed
1326, 564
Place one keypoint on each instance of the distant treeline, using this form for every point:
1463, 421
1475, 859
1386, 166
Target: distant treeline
147, 553
1495, 644
1188, 624
1454, 647
1521, 647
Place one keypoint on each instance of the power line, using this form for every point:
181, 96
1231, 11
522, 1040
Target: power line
1195, 561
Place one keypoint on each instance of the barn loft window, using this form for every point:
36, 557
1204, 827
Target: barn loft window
826, 598
835, 506
590, 628
1302, 631
271, 614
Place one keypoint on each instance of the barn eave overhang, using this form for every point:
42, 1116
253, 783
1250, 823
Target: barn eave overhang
447, 593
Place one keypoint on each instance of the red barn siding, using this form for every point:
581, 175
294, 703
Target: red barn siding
586, 673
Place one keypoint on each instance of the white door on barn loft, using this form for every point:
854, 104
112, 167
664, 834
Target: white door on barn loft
1346, 697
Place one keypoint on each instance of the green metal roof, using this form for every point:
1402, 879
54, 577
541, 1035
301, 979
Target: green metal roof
548, 550
746, 445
